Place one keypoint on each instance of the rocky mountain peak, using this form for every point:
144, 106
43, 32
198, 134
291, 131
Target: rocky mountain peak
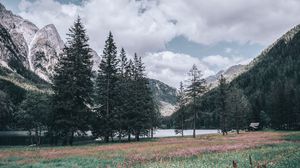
287, 37
2, 7
44, 51
230, 73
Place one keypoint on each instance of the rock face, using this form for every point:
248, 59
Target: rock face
96, 60
10, 57
44, 51
37, 49
24, 47
20, 30
165, 95
230, 74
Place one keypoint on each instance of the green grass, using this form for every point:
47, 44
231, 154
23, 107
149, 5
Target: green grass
285, 155
293, 136
86, 162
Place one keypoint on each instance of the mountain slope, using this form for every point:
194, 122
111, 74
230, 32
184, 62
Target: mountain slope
28, 56
21, 31
165, 95
230, 74
44, 51
271, 83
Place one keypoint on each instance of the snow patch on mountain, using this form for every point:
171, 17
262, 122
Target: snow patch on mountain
230, 74
48, 42
166, 108
21, 31
96, 60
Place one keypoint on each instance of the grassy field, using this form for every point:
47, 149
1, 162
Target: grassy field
270, 149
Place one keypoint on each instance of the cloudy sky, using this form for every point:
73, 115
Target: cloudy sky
172, 35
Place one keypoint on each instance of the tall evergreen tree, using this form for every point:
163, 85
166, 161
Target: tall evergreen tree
223, 116
124, 62
72, 85
106, 98
181, 101
195, 89
33, 115
238, 106
6, 111
129, 114
123, 84
144, 112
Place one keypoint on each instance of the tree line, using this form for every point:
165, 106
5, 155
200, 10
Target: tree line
113, 103
267, 93
231, 106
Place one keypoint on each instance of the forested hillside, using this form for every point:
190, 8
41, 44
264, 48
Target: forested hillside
271, 83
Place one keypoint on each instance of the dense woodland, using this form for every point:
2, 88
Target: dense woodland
116, 102
268, 93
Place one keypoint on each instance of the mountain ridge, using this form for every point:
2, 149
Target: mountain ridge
33, 52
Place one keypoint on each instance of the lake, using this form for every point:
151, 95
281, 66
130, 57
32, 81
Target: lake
159, 133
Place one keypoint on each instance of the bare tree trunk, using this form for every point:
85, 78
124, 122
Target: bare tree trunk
151, 132
106, 139
137, 136
129, 136
71, 138
182, 124
120, 135
237, 120
194, 122
30, 136
112, 137
36, 136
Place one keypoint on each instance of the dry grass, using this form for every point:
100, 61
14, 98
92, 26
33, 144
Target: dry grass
166, 148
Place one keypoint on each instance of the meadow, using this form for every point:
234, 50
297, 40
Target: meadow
248, 149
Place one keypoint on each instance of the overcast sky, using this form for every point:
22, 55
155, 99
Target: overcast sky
171, 35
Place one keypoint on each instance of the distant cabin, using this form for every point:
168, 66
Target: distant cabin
253, 126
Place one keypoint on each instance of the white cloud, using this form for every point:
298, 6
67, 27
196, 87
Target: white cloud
221, 62
146, 25
133, 30
172, 67
212, 21
228, 50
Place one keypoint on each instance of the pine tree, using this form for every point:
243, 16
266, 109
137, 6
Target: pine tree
222, 104
7, 109
181, 101
238, 106
124, 62
196, 88
72, 85
33, 114
129, 114
106, 98
123, 94
144, 112
40, 58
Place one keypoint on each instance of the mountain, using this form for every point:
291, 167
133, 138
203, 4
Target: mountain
21, 31
28, 56
165, 95
230, 74
38, 49
271, 83
44, 50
